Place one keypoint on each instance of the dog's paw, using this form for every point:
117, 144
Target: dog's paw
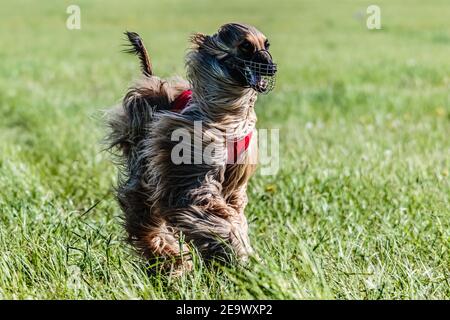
181, 269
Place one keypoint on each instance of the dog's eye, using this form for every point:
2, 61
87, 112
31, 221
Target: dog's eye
267, 44
246, 46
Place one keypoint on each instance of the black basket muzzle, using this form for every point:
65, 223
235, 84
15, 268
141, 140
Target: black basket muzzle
258, 75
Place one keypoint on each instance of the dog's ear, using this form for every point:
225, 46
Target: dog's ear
207, 43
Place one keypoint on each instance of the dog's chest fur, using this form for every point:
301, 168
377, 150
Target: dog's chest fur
238, 174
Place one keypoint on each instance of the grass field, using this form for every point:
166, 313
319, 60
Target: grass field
359, 209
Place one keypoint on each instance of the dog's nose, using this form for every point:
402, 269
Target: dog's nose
271, 69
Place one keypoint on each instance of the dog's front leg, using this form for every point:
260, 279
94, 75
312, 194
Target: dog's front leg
233, 213
165, 251
238, 201
215, 236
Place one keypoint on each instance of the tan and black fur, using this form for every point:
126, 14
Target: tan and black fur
202, 203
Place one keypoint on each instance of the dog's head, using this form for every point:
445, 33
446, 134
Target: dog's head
242, 53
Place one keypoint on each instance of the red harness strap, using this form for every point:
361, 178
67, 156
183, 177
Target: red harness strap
234, 149
181, 101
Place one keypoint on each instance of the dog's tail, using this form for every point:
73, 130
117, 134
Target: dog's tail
130, 122
136, 47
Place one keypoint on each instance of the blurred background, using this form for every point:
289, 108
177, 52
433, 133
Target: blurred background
359, 208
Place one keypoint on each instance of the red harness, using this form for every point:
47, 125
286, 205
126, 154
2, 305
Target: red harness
235, 147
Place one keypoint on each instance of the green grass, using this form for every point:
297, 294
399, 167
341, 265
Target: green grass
359, 209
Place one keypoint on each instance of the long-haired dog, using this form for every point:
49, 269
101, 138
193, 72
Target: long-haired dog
170, 206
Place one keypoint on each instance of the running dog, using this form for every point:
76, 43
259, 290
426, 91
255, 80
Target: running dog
172, 206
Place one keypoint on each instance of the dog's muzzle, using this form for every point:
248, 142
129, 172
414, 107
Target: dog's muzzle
259, 76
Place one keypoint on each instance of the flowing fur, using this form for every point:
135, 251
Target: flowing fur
201, 204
